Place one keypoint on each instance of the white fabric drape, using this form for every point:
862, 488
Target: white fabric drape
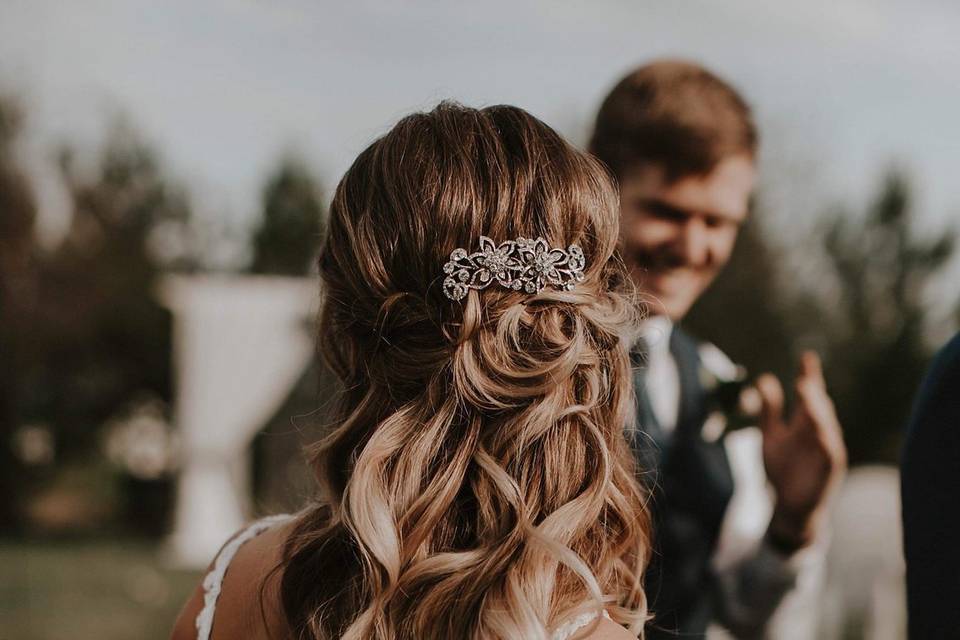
240, 344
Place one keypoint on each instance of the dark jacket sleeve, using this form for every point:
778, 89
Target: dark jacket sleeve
930, 467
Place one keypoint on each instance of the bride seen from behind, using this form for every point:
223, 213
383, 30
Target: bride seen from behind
476, 482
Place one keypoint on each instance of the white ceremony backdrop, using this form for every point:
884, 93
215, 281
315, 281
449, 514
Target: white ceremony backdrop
240, 344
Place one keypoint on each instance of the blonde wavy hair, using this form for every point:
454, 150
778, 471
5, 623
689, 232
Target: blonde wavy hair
477, 482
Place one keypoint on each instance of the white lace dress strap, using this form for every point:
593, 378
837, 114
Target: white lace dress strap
567, 629
213, 581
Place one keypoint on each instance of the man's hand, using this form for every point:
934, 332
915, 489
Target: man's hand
804, 457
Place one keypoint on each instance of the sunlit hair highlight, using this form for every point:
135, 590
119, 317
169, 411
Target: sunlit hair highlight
476, 482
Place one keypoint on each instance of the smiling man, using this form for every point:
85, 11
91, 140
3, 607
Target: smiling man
727, 555
681, 233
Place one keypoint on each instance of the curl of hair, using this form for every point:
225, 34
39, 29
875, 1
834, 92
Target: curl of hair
476, 483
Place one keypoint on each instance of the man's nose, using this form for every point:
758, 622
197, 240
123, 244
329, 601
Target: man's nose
695, 242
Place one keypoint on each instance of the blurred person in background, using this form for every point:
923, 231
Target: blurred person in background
477, 482
930, 484
682, 144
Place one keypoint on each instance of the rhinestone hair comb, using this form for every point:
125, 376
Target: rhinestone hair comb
521, 264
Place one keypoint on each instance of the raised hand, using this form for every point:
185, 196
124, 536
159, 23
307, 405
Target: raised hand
804, 456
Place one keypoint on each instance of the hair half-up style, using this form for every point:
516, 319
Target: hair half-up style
477, 482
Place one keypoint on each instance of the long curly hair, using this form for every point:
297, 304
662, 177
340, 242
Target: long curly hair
476, 482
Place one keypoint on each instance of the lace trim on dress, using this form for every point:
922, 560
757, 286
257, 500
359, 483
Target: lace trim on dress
213, 581
567, 629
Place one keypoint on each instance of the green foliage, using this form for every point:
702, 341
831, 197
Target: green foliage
864, 312
17, 298
105, 339
877, 350
81, 334
286, 241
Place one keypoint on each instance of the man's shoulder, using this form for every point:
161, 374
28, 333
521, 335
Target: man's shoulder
937, 403
942, 376
947, 361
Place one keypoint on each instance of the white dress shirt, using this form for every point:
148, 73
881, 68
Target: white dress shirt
662, 376
752, 579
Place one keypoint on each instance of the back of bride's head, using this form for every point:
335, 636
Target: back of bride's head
476, 482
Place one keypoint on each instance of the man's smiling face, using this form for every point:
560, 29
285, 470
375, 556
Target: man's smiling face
678, 235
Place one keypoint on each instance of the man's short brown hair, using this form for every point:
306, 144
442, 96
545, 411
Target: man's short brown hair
674, 114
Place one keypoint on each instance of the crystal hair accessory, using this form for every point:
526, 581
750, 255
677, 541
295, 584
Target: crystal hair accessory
521, 264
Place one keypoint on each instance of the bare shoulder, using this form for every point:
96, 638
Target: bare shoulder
608, 630
249, 602
185, 627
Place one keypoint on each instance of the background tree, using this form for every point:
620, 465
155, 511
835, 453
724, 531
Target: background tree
286, 243
876, 333
106, 339
860, 305
17, 299
287, 239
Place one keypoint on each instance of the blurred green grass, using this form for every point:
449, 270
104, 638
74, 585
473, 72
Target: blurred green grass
103, 589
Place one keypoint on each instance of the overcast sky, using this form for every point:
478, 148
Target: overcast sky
223, 87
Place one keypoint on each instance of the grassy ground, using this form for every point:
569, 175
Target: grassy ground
103, 590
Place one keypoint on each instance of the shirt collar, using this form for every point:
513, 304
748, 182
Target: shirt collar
656, 331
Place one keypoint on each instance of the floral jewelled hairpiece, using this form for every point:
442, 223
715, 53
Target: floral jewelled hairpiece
521, 264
